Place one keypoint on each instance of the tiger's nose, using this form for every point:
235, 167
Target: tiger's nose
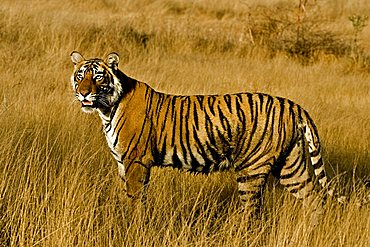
84, 93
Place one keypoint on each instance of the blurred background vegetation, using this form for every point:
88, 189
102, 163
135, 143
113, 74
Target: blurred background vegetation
58, 182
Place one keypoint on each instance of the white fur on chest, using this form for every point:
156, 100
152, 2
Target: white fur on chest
113, 143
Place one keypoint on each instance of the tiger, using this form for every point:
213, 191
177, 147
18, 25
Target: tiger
252, 134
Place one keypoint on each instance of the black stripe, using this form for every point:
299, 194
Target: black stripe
174, 125
263, 137
261, 98
299, 112
129, 144
159, 104
298, 159
300, 185
148, 141
315, 153
318, 164
200, 99
200, 146
251, 106
282, 108
118, 132
281, 129
176, 162
113, 112
321, 175
144, 125
225, 124
296, 172
164, 118
254, 122
227, 99
269, 103
212, 151
239, 96
161, 154
195, 114
194, 162
292, 113
221, 136
182, 122
149, 101
209, 129
211, 103
147, 91
240, 113
118, 123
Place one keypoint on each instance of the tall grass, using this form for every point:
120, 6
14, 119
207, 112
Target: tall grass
58, 182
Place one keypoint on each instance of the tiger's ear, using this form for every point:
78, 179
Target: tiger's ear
76, 57
113, 60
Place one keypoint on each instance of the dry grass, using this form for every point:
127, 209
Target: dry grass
58, 181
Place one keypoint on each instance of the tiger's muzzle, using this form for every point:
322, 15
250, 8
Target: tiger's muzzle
87, 99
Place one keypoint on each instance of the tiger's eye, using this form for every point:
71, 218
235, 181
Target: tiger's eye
98, 78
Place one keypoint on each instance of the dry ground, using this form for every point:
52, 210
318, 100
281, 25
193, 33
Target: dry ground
58, 182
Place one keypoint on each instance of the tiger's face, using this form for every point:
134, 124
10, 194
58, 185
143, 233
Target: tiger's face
94, 81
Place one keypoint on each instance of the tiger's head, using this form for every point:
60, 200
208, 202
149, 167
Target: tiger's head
95, 81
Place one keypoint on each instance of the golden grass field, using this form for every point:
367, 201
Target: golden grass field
58, 182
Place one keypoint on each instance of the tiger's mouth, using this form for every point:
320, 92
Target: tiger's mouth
87, 103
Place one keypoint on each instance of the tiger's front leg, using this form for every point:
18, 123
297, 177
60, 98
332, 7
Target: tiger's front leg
136, 177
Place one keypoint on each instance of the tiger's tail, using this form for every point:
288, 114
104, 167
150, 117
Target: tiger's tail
310, 133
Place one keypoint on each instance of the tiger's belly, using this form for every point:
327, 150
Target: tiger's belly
197, 160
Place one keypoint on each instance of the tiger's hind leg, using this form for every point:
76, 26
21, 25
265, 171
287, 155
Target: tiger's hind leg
297, 175
251, 184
